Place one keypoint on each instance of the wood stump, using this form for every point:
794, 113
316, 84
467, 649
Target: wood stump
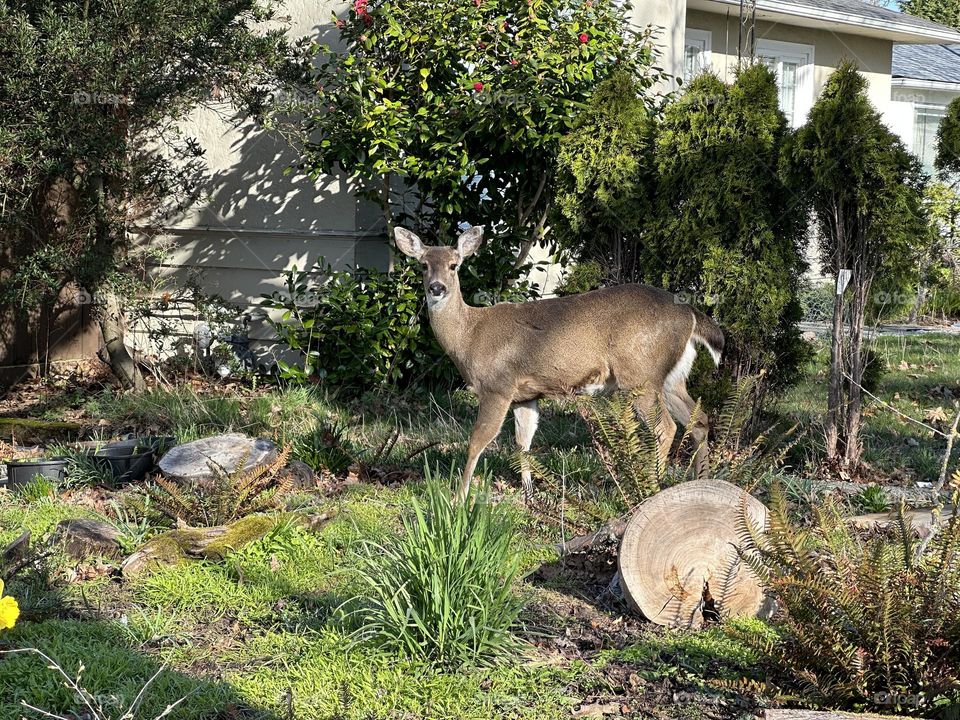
679, 560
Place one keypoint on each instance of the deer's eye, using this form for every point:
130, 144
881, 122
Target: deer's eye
453, 267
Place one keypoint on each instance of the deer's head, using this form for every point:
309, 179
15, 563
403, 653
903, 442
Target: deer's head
440, 263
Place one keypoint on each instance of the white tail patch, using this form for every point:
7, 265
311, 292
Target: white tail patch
680, 372
713, 353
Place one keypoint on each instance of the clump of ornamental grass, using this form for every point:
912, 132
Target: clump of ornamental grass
441, 590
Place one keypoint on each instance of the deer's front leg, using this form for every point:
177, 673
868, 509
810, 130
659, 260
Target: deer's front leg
493, 411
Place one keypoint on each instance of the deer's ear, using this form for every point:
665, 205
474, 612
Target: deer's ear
408, 243
469, 241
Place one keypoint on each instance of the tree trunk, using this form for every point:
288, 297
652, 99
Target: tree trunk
852, 445
110, 318
835, 383
917, 304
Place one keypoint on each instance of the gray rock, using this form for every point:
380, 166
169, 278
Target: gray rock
82, 538
192, 461
921, 519
15, 551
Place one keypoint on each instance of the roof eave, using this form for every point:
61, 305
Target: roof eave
918, 84
824, 18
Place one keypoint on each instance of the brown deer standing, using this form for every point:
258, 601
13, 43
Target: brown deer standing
513, 354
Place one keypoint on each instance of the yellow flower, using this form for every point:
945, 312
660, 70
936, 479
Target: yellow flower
9, 610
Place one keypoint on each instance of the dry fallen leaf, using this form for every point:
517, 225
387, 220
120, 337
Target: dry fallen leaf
597, 710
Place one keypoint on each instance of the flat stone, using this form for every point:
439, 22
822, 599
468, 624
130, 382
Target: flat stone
192, 461
921, 519
82, 538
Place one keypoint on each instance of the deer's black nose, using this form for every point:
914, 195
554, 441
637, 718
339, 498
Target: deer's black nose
437, 289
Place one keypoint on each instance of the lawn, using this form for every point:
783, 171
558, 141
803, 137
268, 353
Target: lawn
264, 633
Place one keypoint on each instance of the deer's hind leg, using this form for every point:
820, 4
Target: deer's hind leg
665, 429
525, 418
493, 411
681, 406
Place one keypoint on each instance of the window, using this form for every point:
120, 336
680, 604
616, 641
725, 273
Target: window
696, 53
793, 66
926, 121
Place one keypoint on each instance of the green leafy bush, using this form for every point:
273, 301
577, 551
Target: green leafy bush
359, 329
691, 200
441, 590
581, 277
865, 621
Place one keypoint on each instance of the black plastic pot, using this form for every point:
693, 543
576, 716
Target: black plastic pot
125, 462
21, 472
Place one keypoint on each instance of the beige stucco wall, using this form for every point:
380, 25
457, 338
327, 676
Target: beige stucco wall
668, 17
872, 55
254, 220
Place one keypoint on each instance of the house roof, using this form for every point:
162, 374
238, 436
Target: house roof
933, 63
850, 16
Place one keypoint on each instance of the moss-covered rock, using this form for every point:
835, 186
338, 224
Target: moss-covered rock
213, 543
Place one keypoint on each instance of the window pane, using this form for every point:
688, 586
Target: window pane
926, 122
788, 89
694, 59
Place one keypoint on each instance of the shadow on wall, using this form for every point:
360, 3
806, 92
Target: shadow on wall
261, 216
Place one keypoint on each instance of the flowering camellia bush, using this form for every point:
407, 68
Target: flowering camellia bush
453, 110
9, 610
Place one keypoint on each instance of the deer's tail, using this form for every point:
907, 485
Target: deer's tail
708, 334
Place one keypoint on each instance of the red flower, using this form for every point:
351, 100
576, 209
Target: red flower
589, 3
478, 86
360, 7
341, 24
584, 38
477, 2
367, 19
514, 62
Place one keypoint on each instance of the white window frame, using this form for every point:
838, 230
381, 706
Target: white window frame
930, 108
704, 37
803, 55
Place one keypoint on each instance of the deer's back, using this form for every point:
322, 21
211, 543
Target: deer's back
618, 337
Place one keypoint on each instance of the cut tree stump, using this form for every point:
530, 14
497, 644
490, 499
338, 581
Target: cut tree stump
83, 537
192, 461
683, 538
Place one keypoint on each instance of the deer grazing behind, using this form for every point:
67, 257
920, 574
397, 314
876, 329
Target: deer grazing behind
514, 354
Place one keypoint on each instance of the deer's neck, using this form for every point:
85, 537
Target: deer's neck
450, 322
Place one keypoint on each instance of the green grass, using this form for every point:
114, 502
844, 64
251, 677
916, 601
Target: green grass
261, 633
916, 371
